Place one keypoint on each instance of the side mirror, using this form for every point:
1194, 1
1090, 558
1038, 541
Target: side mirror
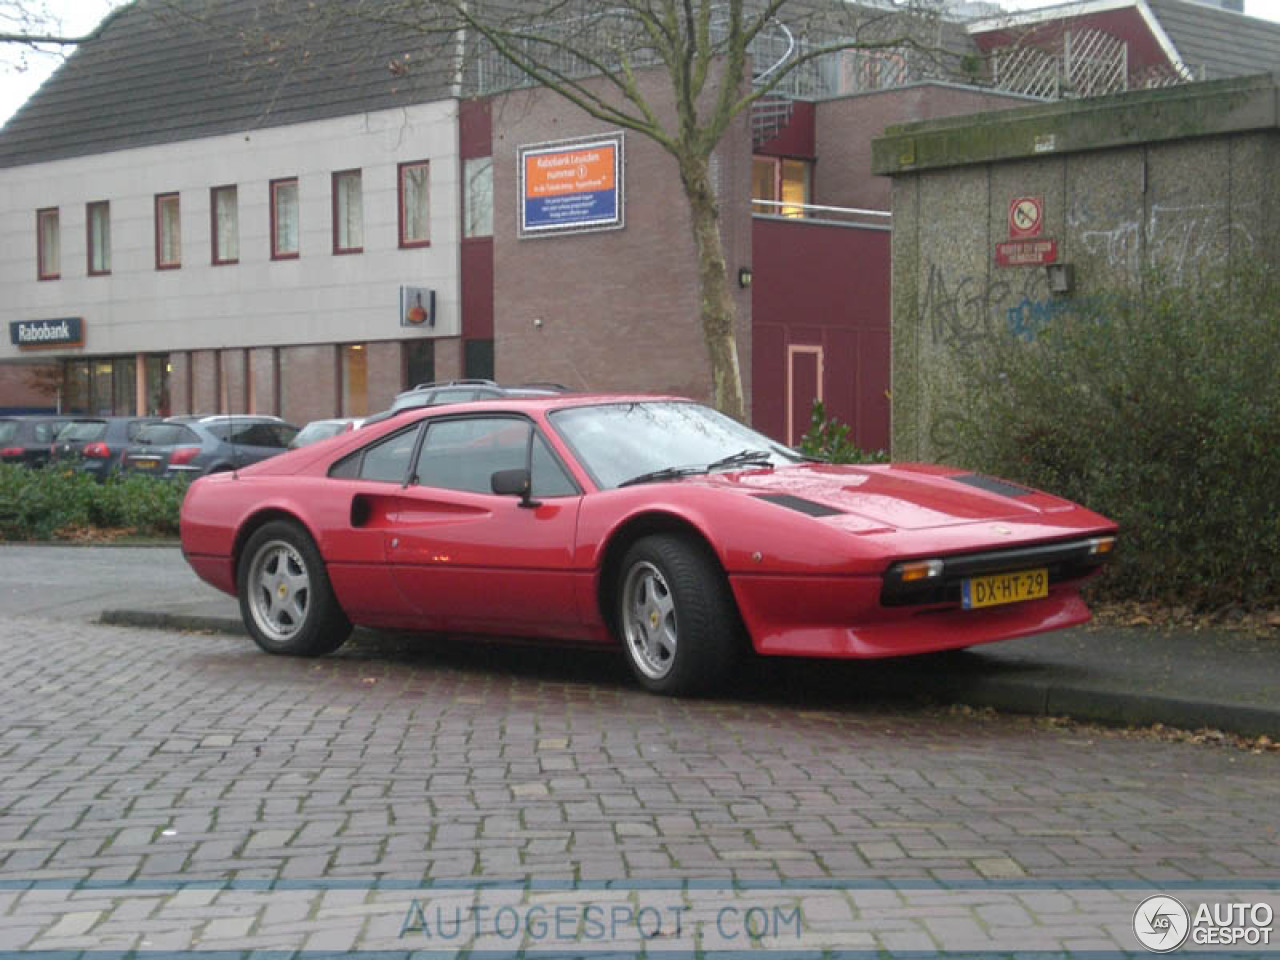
514, 483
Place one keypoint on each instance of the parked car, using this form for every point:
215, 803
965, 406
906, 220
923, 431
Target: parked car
25, 439
194, 445
318, 430
460, 391
655, 524
96, 445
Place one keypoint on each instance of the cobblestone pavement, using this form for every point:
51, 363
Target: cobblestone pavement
133, 760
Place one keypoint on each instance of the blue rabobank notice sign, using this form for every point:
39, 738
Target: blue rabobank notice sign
64, 332
571, 186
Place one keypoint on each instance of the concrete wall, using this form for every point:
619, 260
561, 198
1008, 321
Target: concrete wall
619, 309
318, 298
1177, 179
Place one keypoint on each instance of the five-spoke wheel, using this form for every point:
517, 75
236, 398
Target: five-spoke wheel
675, 615
285, 598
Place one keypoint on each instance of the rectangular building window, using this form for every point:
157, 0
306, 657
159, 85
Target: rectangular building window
98, 222
284, 219
48, 244
225, 213
477, 200
348, 212
168, 232
783, 182
415, 208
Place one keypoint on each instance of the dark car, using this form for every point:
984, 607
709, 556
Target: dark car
26, 440
194, 445
96, 445
461, 391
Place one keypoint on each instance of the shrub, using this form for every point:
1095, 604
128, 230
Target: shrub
828, 439
1163, 412
49, 503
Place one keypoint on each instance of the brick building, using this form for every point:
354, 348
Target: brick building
230, 228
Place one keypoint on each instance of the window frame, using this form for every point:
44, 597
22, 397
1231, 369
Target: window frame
401, 192
470, 168
777, 163
160, 200
44, 215
338, 248
274, 188
90, 247
214, 235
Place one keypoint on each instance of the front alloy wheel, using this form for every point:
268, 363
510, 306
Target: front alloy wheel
675, 615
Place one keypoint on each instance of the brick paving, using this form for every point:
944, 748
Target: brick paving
143, 758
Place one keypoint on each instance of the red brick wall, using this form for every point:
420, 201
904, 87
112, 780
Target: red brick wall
20, 387
262, 373
204, 381
845, 128
385, 372
619, 309
308, 383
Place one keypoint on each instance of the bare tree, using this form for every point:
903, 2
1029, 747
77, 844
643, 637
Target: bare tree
30, 23
716, 58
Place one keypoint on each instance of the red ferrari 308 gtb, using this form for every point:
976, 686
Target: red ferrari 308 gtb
654, 523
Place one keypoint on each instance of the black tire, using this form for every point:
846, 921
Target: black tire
675, 616
285, 598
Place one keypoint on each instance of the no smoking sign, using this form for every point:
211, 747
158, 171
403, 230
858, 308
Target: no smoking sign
1026, 217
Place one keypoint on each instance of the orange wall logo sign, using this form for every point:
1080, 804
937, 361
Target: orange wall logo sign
571, 186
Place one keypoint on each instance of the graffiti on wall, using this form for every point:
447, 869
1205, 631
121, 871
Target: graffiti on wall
965, 312
1176, 235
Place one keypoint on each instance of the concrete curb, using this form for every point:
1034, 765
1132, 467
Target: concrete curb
1029, 696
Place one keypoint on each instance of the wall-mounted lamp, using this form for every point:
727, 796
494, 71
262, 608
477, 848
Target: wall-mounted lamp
744, 277
1061, 277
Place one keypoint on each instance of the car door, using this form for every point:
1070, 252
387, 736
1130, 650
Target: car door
472, 560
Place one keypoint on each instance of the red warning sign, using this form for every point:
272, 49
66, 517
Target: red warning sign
1026, 217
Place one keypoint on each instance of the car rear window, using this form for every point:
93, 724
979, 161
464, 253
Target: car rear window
167, 435
254, 434
82, 431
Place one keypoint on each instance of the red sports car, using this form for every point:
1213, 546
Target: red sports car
651, 522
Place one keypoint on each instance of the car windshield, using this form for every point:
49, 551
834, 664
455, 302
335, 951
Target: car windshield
82, 431
619, 443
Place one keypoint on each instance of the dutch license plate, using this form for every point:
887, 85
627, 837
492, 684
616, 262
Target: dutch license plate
1004, 588
146, 464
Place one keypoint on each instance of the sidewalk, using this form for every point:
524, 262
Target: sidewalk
1180, 678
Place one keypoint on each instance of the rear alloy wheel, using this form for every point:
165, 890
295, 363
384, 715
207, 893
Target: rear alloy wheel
676, 618
285, 598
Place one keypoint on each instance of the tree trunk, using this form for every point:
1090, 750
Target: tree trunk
718, 312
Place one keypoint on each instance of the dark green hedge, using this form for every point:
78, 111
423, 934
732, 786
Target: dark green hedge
1161, 410
52, 503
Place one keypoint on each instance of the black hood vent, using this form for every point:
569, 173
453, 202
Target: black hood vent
798, 504
992, 485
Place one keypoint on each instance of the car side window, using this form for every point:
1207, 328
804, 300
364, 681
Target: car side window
387, 460
464, 454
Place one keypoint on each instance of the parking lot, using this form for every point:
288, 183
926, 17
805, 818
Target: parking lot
135, 761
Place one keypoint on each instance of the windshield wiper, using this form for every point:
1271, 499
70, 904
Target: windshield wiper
666, 473
759, 458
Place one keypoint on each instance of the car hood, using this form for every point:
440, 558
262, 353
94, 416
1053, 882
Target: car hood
888, 497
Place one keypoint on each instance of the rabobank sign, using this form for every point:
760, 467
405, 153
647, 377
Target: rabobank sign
66, 332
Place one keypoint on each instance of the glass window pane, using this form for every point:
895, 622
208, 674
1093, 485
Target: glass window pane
355, 380
50, 252
478, 175
795, 187
284, 198
226, 225
388, 460
99, 238
464, 454
414, 205
168, 232
348, 211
